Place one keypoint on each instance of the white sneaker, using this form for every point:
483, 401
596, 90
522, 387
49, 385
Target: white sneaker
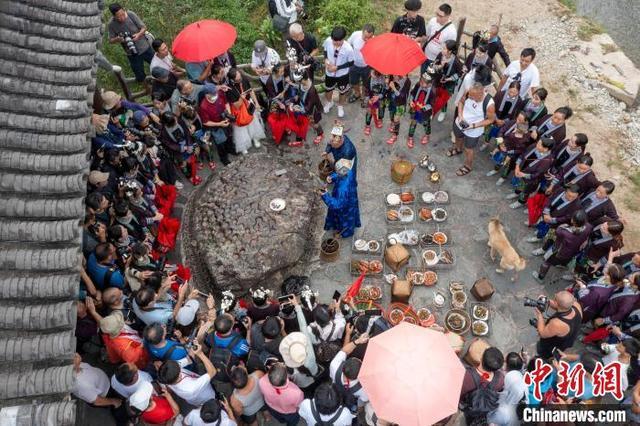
533, 239
245, 152
538, 252
511, 196
491, 172
256, 143
178, 185
515, 205
340, 111
500, 181
441, 116
328, 107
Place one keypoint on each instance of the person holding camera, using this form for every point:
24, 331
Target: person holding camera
561, 329
102, 268
126, 28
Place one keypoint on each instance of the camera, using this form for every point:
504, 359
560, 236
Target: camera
226, 116
542, 303
463, 124
129, 44
123, 251
533, 322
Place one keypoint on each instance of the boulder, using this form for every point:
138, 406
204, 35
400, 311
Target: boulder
233, 235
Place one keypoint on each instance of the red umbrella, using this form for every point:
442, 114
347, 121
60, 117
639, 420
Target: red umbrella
391, 53
203, 40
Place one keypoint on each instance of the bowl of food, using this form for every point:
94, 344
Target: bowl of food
457, 321
458, 299
440, 238
417, 278
410, 320
439, 299
375, 266
363, 293
277, 204
393, 216
375, 293
441, 197
396, 316
430, 278
424, 314
434, 177
393, 199
360, 245
428, 197
430, 257
426, 239
425, 214
373, 246
480, 328
456, 286
445, 257
480, 312
439, 214
405, 214
407, 197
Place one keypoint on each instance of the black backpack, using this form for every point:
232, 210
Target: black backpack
484, 399
348, 395
223, 358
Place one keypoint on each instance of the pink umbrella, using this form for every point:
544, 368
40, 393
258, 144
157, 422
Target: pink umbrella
412, 375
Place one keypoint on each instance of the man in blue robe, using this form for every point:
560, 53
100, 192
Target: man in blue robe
340, 147
343, 214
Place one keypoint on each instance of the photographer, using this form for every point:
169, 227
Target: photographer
561, 329
102, 269
126, 28
304, 46
149, 309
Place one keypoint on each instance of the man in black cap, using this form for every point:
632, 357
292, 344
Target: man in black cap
411, 24
263, 58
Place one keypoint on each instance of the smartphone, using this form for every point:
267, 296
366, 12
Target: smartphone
336, 295
373, 312
286, 298
556, 354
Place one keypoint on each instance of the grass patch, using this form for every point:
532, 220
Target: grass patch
591, 109
569, 4
608, 48
588, 29
573, 93
615, 83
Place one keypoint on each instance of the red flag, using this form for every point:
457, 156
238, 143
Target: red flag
535, 205
355, 286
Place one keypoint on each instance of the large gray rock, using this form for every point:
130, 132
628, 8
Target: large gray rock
235, 238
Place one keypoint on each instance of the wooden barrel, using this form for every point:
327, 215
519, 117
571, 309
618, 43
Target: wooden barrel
401, 171
330, 250
324, 169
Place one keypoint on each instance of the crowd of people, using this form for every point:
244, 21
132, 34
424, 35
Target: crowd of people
154, 350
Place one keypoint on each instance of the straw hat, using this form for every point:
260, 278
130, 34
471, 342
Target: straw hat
110, 99
293, 349
112, 324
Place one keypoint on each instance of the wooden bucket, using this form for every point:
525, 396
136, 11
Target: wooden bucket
324, 169
401, 171
330, 250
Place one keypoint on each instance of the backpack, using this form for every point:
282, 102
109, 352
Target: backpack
348, 395
484, 398
325, 351
318, 419
223, 358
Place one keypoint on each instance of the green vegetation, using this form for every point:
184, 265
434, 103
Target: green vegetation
165, 19
588, 29
569, 4
608, 48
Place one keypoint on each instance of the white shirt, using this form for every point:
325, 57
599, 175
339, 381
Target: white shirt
194, 419
90, 383
530, 77
333, 368
305, 412
345, 54
434, 47
473, 113
166, 62
194, 389
325, 332
127, 391
357, 42
271, 59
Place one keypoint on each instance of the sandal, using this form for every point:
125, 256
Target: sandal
452, 152
462, 171
424, 140
318, 139
410, 143
392, 139
367, 130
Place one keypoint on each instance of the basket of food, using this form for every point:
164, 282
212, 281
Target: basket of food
430, 257
425, 214
401, 171
369, 267
438, 238
362, 245
430, 278
396, 199
406, 214
457, 321
398, 312
480, 328
456, 286
426, 317
415, 276
441, 197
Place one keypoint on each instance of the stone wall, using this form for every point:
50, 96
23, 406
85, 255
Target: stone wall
621, 19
